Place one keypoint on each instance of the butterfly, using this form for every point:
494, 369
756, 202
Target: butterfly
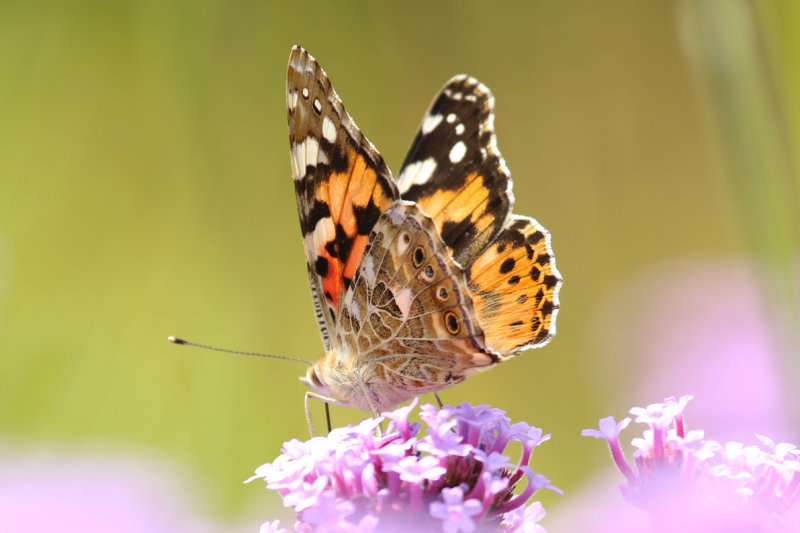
417, 282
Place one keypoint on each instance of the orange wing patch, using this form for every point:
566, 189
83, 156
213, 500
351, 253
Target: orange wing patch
465, 211
515, 287
356, 198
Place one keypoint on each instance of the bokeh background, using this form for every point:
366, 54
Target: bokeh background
145, 191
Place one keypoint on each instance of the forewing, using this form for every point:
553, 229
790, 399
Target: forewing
341, 182
410, 313
455, 172
515, 287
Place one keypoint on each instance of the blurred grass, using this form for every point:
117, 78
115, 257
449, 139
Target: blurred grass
145, 191
735, 59
726, 45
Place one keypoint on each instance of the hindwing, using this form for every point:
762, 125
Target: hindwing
515, 286
410, 312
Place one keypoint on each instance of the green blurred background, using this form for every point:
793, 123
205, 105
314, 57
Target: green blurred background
145, 191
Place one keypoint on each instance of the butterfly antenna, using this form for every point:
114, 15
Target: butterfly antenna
176, 340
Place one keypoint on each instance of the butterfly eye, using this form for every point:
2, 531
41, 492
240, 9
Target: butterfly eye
418, 256
451, 323
314, 377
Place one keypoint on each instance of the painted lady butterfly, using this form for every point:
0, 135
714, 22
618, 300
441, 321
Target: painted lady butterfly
421, 282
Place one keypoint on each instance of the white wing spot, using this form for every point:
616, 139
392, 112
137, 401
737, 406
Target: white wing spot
451, 118
317, 105
457, 96
321, 234
299, 160
295, 170
396, 215
369, 271
328, 129
416, 173
430, 123
292, 99
305, 92
312, 151
355, 310
403, 299
303, 154
458, 151
459, 129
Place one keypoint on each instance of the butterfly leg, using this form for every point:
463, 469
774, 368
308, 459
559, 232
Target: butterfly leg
370, 400
327, 401
367, 394
438, 400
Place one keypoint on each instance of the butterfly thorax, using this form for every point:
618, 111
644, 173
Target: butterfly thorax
355, 381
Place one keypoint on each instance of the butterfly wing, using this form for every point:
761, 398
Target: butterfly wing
341, 182
410, 315
515, 286
455, 172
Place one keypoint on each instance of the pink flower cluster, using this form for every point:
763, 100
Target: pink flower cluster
690, 484
454, 478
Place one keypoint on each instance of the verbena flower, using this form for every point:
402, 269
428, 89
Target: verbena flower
97, 489
453, 478
688, 484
